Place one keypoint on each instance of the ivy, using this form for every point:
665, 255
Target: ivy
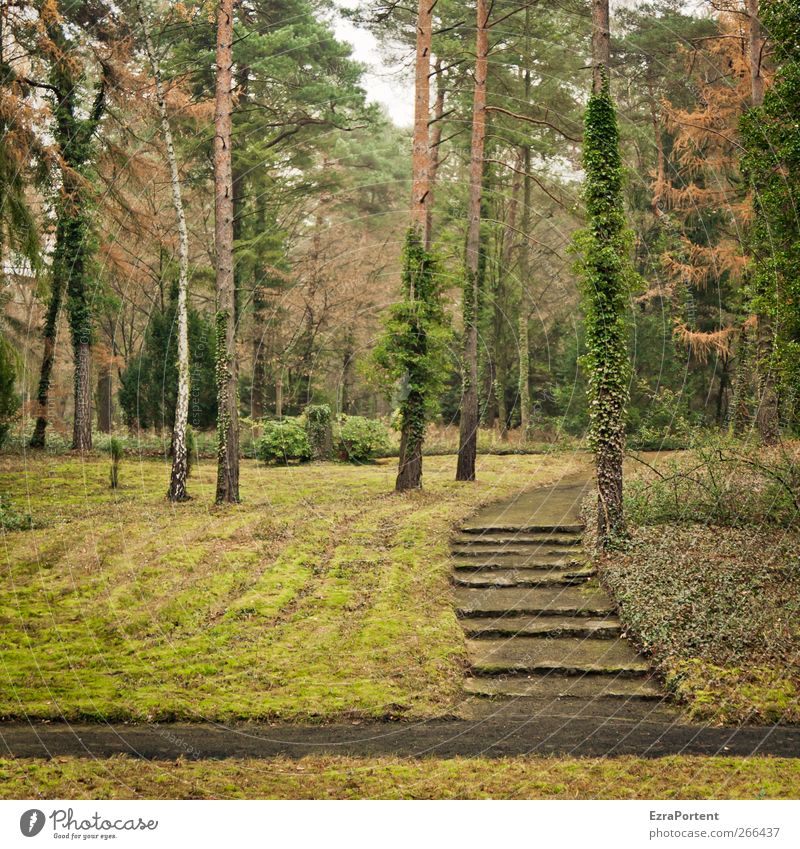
771, 136
413, 349
603, 249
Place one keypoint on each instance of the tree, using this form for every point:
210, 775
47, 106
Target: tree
149, 384
604, 246
421, 153
413, 352
226, 362
9, 399
468, 426
772, 168
180, 466
71, 272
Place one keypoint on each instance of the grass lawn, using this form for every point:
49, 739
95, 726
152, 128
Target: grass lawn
388, 778
322, 595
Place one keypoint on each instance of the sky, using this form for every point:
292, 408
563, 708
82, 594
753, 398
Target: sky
388, 81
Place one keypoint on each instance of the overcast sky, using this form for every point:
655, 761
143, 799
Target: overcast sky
388, 81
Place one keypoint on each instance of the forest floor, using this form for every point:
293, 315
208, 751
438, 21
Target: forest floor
323, 595
709, 584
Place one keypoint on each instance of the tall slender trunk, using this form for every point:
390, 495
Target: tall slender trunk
468, 430
420, 155
524, 260
226, 364
524, 298
435, 145
180, 463
601, 44
104, 399
409, 468
82, 427
58, 285
767, 412
607, 382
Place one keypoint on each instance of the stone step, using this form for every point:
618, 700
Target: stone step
543, 626
519, 539
586, 600
564, 686
521, 577
500, 528
490, 560
563, 655
514, 551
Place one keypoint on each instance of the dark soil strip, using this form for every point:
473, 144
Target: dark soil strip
588, 730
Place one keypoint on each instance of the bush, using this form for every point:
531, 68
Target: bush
663, 425
283, 442
319, 429
362, 440
720, 482
9, 400
10, 519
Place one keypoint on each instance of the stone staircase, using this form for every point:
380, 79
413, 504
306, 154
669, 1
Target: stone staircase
537, 623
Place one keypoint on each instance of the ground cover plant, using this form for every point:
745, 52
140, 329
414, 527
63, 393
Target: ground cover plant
709, 582
323, 594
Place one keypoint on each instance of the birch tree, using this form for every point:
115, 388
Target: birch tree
226, 365
180, 466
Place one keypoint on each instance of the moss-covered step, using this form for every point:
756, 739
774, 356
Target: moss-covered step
563, 655
500, 527
488, 578
544, 540
554, 601
543, 626
514, 551
564, 686
499, 560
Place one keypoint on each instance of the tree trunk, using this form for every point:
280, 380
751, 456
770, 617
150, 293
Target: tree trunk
279, 392
226, 364
609, 405
82, 425
180, 463
435, 145
104, 399
409, 471
420, 156
767, 413
740, 416
48, 358
468, 429
601, 43
524, 274
756, 46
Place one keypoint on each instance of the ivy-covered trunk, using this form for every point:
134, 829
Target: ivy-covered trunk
605, 246
468, 427
226, 365
50, 333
